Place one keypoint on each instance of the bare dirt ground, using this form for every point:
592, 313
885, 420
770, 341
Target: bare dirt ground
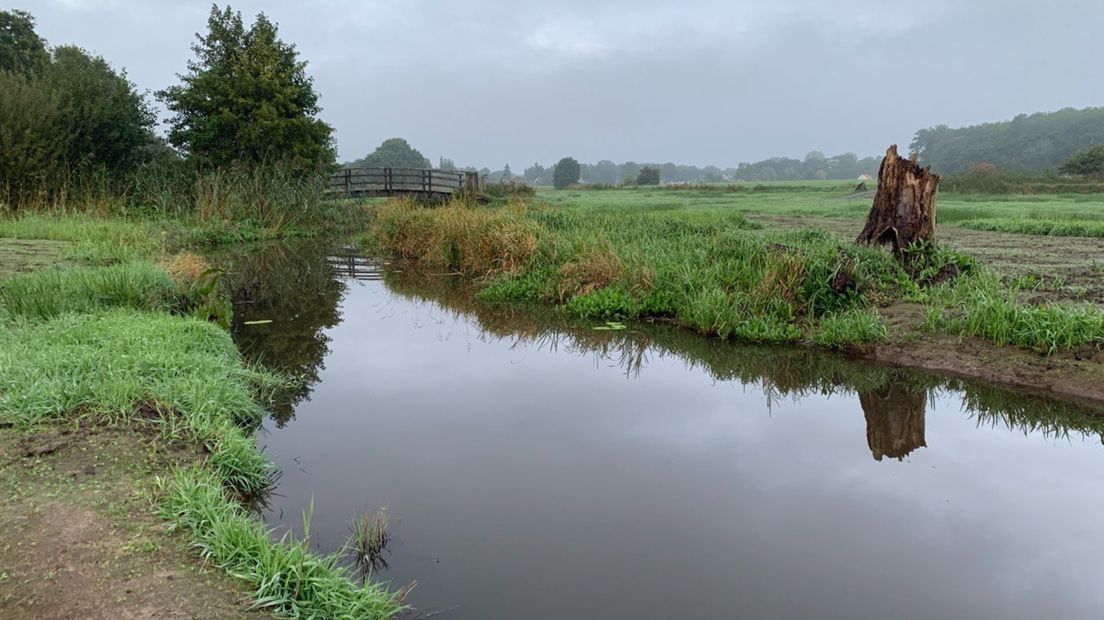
1071, 269
80, 539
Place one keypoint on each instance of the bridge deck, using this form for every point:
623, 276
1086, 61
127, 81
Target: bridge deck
429, 183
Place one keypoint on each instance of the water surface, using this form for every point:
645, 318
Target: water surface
537, 468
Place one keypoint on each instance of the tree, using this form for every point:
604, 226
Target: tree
1089, 162
566, 173
648, 176
393, 153
22, 51
247, 99
105, 121
535, 175
30, 151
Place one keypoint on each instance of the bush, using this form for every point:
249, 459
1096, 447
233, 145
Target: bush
1089, 162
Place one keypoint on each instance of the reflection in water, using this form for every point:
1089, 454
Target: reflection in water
894, 419
294, 287
537, 468
892, 399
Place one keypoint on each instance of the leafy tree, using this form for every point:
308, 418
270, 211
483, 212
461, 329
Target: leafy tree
30, 151
444, 163
566, 173
648, 176
104, 120
64, 117
1089, 162
393, 153
247, 99
22, 51
535, 174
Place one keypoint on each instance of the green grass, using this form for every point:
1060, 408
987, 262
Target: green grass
94, 240
289, 579
712, 271
986, 307
123, 363
97, 343
51, 292
694, 256
1045, 227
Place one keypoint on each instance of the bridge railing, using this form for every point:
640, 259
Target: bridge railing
396, 181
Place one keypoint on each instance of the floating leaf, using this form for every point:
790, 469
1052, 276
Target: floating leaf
258, 322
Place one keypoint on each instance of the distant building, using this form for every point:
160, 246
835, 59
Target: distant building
865, 177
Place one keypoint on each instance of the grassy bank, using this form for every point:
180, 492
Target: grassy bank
711, 269
118, 345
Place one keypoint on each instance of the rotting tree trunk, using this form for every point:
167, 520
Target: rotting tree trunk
904, 205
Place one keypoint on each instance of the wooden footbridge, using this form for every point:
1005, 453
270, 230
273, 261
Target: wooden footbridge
418, 182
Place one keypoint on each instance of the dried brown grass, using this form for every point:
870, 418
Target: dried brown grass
470, 239
185, 267
595, 268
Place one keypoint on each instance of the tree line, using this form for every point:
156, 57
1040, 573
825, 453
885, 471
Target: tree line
70, 123
1042, 141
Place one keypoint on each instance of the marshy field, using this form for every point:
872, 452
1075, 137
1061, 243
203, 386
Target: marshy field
290, 406
250, 370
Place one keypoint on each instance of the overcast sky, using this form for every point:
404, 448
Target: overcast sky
699, 82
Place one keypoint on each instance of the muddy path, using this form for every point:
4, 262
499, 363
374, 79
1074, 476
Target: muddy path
80, 537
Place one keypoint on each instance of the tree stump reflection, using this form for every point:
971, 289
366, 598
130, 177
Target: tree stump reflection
894, 419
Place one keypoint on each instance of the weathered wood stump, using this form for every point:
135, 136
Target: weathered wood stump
904, 205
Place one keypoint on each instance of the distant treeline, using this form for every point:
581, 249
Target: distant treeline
1038, 142
1042, 141
397, 153
815, 166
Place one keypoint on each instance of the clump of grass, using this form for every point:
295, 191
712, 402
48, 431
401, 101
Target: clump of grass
850, 327
593, 269
51, 292
473, 240
1053, 228
983, 307
369, 539
288, 578
185, 267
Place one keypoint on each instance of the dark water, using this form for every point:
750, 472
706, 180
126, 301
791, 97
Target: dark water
534, 468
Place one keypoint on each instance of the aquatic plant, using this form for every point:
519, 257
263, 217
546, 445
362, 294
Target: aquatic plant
369, 540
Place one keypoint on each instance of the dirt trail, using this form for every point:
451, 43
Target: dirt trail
80, 540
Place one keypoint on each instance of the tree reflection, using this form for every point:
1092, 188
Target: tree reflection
893, 400
294, 287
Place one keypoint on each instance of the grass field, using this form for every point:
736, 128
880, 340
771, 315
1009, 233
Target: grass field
770, 263
1052, 240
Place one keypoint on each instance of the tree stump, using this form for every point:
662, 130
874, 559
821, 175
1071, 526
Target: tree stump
904, 205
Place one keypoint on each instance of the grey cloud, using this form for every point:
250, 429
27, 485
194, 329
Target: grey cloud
701, 82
